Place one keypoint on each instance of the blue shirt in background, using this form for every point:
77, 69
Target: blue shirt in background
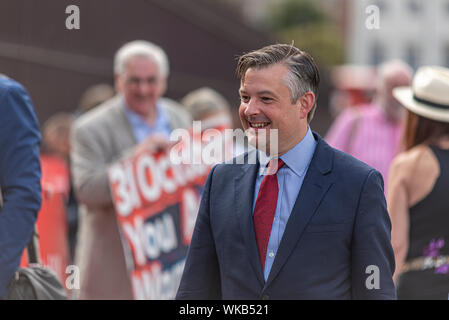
142, 129
20, 176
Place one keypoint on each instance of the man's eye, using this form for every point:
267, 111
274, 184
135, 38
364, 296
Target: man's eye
244, 98
266, 99
134, 81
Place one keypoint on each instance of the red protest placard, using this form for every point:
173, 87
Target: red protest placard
156, 200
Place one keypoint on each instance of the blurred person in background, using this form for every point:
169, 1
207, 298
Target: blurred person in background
54, 142
94, 96
20, 175
354, 86
56, 135
137, 115
418, 200
56, 151
209, 107
213, 110
372, 133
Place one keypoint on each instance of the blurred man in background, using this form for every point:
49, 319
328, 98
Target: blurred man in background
372, 133
137, 115
20, 174
56, 135
209, 106
94, 96
213, 110
354, 85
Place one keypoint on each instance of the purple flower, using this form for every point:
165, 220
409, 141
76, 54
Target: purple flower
433, 250
440, 243
444, 269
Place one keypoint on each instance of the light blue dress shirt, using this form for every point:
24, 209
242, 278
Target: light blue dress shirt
142, 129
290, 178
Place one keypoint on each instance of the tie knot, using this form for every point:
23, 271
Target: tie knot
274, 165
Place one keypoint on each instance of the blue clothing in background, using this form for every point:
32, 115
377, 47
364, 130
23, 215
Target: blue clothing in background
143, 130
20, 175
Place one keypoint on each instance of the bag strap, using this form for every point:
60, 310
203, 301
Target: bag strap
33, 249
33, 246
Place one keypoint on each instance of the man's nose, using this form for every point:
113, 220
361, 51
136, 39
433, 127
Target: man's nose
251, 108
145, 88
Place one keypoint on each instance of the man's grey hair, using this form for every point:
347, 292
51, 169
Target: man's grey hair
141, 48
303, 75
204, 102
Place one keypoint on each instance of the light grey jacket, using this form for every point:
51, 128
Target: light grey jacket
99, 138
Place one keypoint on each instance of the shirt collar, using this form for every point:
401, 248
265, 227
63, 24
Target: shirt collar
136, 119
297, 158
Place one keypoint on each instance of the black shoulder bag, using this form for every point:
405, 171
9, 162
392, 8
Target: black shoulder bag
35, 282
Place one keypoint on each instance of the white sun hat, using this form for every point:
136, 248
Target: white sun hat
429, 94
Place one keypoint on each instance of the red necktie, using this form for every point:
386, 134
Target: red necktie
265, 208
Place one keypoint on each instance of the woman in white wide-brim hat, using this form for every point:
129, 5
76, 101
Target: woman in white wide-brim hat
418, 197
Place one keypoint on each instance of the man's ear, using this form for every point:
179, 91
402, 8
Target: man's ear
305, 104
163, 87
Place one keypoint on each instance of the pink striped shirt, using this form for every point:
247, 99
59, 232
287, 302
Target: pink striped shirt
375, 141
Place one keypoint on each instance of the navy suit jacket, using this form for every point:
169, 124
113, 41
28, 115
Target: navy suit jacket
336, 243
20, 175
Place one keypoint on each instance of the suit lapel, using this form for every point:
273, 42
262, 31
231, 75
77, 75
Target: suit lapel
126, 135
316, 183
244, 193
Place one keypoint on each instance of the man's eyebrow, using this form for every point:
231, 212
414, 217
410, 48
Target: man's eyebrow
266, 92
243, 91
145, 78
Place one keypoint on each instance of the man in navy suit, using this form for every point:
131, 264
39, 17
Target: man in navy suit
314, 226
20, 174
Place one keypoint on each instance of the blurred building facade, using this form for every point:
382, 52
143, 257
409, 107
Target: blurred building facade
416, 31
413, 30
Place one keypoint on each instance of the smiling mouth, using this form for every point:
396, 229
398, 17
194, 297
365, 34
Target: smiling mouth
259, 125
